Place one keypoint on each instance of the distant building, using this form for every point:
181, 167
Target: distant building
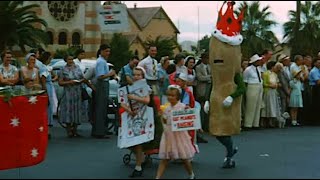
75, 23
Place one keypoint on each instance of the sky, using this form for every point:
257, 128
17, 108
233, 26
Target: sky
184, 15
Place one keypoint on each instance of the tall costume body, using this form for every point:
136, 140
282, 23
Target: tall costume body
227, 82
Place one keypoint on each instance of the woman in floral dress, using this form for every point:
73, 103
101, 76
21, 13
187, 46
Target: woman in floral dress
71, 78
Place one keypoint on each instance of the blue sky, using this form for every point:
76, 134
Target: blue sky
185, 15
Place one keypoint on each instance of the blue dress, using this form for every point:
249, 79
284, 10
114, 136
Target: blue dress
70, 110
295, 95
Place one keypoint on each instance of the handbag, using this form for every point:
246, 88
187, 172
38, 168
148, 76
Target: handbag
84, 94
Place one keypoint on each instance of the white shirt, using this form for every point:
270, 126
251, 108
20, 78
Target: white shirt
150, 65
250, 75
182, 69
286, 69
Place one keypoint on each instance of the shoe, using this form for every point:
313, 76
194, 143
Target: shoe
49, 136
77, 135
135, 173
228, 163
201, 140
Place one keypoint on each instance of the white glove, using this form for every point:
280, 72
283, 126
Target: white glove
227, 101
206, 107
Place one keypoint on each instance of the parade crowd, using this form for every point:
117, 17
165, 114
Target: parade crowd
278, 93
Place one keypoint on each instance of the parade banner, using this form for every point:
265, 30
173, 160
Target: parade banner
136, 129
188, 119
24, 131
113, 18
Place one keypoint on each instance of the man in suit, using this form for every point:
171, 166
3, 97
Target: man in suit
284, 78
203, 87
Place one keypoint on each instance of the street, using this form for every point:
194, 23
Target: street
271, 153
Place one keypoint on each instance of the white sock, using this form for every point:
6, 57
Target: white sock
294, 122
191, 176
138, 168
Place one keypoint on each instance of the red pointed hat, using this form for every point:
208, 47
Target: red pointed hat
228, 27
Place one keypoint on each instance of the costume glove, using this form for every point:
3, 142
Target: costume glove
228, 101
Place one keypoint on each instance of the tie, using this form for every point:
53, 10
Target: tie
258, 74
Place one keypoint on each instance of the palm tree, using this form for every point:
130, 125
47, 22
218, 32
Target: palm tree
306, 39
256, 29
17, 24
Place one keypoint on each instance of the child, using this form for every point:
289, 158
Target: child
295, 97
174, 145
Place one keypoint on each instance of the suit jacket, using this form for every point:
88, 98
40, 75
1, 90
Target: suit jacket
203, 76
285, 86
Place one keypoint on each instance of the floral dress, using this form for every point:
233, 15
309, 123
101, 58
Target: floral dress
70, 108
175, 144
8, 74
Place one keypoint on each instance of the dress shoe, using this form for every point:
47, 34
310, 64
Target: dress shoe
228, 163
135, 173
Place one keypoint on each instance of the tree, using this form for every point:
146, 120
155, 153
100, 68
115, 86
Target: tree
120, 53
17, 24
165, 46
256, 29
305, 40
204, 43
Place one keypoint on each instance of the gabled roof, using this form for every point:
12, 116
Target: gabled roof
144, 15
132, 37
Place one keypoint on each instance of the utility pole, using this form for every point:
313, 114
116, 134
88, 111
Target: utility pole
198, 31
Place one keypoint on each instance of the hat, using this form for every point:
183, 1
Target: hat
174, 86
183, 76
295, 73
255, 58
142, 69
228, 27
283, 57
29, 55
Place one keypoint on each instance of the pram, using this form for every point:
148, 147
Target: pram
153, 147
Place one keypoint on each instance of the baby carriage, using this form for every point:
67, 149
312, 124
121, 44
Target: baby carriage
150, 148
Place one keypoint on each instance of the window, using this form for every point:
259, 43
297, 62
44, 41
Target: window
76, 38
62, 38
136, 52
50, 37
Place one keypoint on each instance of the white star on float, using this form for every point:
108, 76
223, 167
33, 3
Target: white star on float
34, 152
15, 122
33, 99
41, 129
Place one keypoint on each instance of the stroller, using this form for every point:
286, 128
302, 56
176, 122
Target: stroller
150, 148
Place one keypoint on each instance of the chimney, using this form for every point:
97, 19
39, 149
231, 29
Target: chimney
135, 5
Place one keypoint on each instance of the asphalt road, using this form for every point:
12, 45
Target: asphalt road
272, 153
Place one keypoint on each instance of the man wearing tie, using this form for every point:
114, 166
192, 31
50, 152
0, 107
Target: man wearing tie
253, 80
150, 65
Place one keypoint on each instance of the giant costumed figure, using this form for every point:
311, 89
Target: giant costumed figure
227, 82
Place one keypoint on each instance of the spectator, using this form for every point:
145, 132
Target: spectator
254, 83
270, 97
295, 96
9, 74
127, 71
150, 65
103, 75
314, 81
203, 87
179, 62
30, 74
163, 78
284, 79
190, 62
45, 75
71, 78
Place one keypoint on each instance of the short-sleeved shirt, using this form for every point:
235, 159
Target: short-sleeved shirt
150, 66
250, 75
10, 73
187, 98
314, 76
128, 71
102, 67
